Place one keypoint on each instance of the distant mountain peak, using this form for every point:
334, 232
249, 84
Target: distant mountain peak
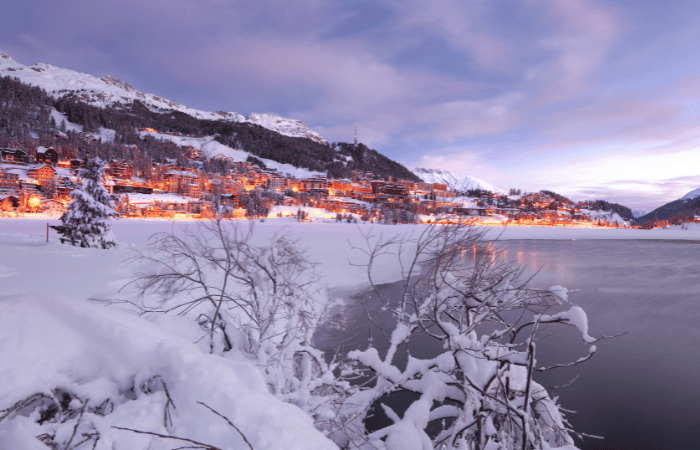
461, 183
107, 91
691, 195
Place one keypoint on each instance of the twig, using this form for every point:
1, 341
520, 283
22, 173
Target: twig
229, 422
199, 444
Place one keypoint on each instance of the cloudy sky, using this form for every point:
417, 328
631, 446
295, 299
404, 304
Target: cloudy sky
592, 99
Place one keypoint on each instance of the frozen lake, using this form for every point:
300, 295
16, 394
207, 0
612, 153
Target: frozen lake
640, 391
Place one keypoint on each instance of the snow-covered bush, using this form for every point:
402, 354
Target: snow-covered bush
479, 392
79, 376
87, 217
261, 300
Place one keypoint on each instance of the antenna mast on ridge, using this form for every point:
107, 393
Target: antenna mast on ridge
355, 143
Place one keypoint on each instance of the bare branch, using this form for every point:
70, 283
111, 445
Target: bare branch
229, 422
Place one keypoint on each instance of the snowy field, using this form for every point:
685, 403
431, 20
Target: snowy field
150, 373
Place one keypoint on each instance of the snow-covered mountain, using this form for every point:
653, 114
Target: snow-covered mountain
691, 195
459, 183
107, 90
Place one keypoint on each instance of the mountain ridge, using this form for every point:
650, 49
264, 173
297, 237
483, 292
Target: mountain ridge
109, 91
459, 183
681, 210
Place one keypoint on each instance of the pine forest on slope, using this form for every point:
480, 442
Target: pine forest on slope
26, 121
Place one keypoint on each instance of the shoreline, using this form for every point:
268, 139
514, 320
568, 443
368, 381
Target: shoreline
688, 233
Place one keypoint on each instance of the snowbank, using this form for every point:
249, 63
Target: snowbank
100, 355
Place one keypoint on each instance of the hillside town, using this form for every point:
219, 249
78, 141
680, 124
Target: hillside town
42, 182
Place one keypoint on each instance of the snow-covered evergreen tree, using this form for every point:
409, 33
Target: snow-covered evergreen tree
86, 220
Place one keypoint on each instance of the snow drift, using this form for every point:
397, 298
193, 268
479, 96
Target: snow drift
97, 368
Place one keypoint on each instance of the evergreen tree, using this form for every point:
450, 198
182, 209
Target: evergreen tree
87, 218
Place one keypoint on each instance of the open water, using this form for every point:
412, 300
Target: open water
641, 391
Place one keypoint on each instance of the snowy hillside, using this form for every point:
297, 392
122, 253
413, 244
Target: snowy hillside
691, 195
455, 182
107, 91
211, 148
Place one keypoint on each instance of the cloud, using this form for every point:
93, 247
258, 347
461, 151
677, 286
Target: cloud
582, 34
533, 94
640, 194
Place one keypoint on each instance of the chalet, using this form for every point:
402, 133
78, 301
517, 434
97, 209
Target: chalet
121, 170
41, 173
47, 155
14, 155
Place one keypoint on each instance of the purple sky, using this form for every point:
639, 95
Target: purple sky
592, 99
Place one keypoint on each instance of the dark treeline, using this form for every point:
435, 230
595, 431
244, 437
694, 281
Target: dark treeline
602, 205
557, 197
26, 122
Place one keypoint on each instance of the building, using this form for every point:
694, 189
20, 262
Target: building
184, 182
47, 155
14, 155
41, 173
9, 181
343, 186
277, 183
121, 170
314, 184
395, 190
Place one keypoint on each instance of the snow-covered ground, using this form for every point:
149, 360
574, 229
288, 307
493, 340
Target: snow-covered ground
212, 148
54, 341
